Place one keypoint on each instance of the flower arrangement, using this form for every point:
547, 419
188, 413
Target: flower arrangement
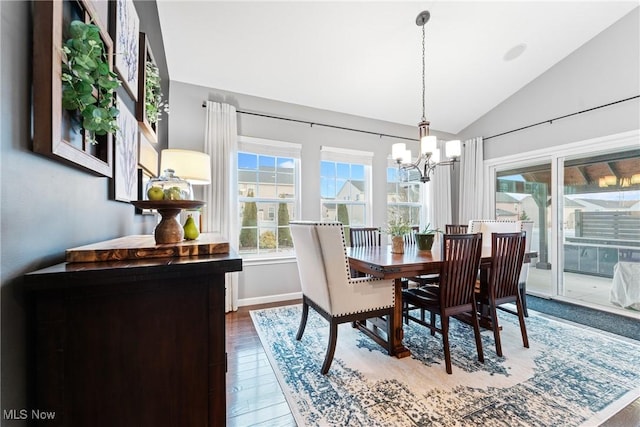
397, 226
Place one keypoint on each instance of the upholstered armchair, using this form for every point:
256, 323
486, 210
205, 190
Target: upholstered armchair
488, 226
327, 285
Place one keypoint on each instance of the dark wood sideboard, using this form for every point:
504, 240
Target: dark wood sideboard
130, 343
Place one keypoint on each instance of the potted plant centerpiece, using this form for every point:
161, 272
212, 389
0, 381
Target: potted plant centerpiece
397, 227
424, 238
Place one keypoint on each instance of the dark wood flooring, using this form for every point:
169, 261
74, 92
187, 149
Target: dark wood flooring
254, 397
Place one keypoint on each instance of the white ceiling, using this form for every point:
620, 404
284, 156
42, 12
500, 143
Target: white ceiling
364, 58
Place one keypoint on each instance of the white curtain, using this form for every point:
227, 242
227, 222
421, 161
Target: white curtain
221, 143
439, 195
471, 181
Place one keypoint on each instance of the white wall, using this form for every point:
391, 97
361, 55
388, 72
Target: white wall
604, 70
186, 130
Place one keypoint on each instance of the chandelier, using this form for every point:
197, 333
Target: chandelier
429, 156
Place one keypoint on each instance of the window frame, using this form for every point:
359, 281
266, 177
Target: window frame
351, 157
275, 149
420, 204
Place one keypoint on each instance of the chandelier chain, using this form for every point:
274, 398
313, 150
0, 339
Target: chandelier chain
424, 116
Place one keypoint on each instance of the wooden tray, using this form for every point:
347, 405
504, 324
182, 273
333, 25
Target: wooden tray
144, 246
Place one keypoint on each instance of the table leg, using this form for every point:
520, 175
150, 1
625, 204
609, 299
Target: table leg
399, 350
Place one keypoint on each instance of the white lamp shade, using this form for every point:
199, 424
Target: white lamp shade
428, 144
406, 157
435, 157
453, 148
193, 166
397, 150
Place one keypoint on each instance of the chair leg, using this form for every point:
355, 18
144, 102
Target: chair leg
445, 341
432, 319
303, 320
523, 297
331, 347
496, 327
523, 327
476, 332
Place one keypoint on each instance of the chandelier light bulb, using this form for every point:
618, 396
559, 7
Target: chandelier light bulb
428, 144
435, 157
397, 151
406, 157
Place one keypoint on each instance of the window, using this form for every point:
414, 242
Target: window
268, 196
345, 177
404, 198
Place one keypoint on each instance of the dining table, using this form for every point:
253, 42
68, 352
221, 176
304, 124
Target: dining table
379, 261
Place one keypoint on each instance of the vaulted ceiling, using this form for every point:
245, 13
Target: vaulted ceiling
364, 58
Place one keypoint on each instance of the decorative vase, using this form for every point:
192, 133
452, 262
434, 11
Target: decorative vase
424, 241
397, 245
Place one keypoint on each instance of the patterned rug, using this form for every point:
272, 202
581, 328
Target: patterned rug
570, 376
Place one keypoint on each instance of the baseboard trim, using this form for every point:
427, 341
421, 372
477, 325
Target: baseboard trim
269, 299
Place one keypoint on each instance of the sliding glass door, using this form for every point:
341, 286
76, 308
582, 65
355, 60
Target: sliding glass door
584, 200
524, 193
601, 226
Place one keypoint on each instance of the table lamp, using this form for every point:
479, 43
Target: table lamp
192, 166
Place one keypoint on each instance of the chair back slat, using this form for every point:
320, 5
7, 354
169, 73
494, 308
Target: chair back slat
456, 228
364, 236
410, 238
507, 256
461, 260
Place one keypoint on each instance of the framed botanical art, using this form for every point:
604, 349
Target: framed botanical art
126, 27
125, 173
149, 105
68, 126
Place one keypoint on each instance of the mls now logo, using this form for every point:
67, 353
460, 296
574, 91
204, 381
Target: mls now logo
23, 414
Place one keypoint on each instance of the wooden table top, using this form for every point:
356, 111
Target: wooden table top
380, 262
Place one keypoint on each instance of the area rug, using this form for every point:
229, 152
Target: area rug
570, 376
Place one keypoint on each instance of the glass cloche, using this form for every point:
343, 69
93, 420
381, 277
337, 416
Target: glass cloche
168, 187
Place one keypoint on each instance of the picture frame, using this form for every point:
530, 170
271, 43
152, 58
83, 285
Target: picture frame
147, 155
125, 178
57, 132
143, 179
125, 26
150, 129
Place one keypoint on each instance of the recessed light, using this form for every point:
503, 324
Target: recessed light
515, 52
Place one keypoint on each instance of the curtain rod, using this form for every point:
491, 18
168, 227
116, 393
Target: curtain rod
550, 121
252, 113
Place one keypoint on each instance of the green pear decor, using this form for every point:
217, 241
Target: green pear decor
190, 229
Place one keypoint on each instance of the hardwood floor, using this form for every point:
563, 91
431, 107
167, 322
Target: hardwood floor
254, 397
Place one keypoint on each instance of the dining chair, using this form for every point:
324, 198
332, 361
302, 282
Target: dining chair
328, 287
456, 228
364, 236
489, 226
455, 293
507, 255
410, 238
